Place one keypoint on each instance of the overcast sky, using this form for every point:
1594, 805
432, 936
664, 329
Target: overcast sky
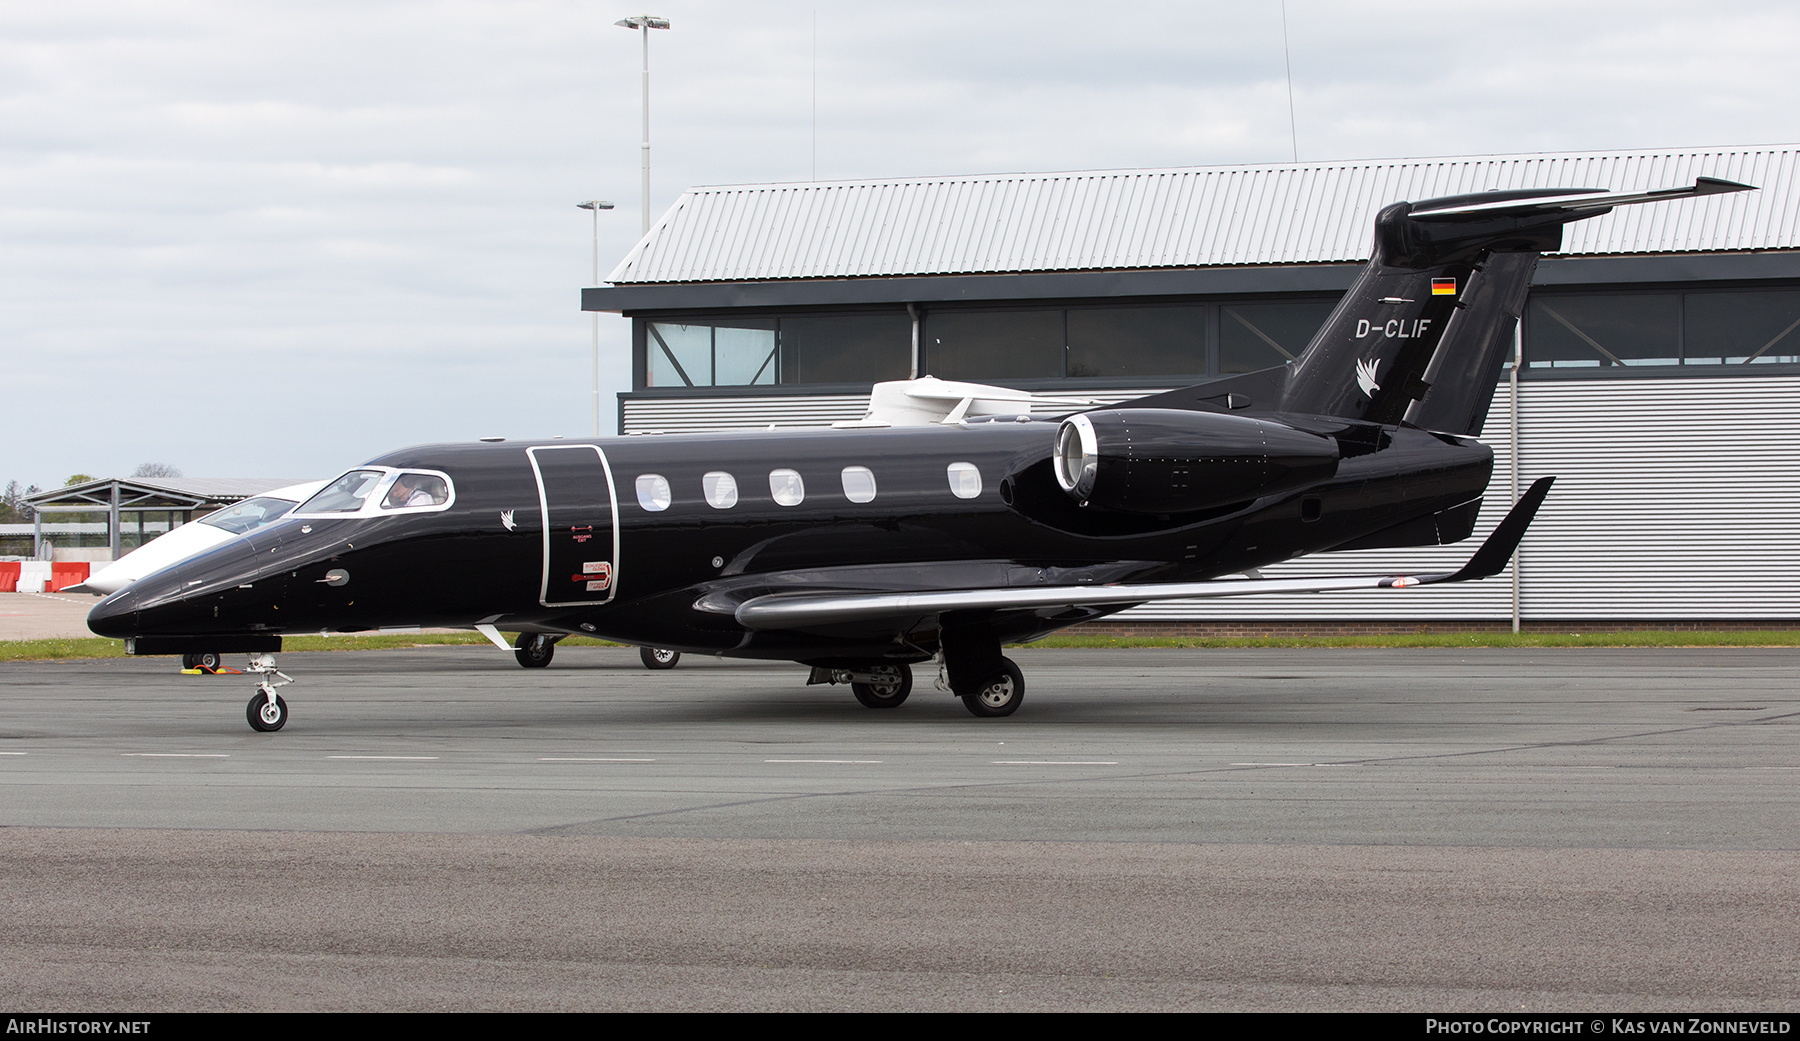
262, 239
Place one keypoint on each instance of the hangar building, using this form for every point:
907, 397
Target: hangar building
1661, 347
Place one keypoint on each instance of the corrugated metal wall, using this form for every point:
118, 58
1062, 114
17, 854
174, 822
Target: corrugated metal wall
1675, 499
1135, 219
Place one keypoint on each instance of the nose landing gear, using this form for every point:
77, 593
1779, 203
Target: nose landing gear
267, 711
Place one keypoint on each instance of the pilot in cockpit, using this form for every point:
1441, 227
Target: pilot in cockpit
415, 490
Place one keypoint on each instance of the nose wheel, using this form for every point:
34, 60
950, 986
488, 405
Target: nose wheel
266, 716
267, 710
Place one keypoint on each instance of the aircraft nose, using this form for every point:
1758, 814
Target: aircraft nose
175, 600
117, 616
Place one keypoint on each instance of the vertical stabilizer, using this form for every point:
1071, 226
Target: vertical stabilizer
1422, 335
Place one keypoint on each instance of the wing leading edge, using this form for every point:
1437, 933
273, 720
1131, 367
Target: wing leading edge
801, 610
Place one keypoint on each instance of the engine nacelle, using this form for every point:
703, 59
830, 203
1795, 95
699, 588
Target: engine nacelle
1157, 460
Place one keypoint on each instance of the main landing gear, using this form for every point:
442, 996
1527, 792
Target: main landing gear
1000, 695
988, 688
267, 711
658, 657
876, 685
208, 660
534, 650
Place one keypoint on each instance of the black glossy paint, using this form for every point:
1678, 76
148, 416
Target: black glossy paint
464, 566
1325, 453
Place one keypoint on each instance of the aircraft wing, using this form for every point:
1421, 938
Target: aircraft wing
803, 610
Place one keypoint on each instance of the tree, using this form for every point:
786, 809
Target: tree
12, 504
78, 479
155, 470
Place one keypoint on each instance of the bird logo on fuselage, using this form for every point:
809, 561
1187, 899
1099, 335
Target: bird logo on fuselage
1365, 377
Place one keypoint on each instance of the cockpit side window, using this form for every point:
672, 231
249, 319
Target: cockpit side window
249, 514
411, 489
344, 495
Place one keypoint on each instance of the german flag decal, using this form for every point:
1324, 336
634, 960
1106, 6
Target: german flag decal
1443, 287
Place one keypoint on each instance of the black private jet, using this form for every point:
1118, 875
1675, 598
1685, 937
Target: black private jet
947, 524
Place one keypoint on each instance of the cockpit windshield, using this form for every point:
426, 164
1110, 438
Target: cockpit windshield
249, 514
344, 495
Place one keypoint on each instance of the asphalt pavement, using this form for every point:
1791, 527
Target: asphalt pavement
438, 828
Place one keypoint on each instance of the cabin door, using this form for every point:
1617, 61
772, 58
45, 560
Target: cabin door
581, 525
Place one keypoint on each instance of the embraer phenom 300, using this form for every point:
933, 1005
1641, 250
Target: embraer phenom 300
916, 535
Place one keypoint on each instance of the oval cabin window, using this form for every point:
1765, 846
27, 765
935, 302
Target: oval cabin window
859, 484
787, 487
720, 488
965, 480
653, 492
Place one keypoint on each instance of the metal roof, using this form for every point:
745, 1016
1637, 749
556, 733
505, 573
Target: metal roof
1289, 213
155, 493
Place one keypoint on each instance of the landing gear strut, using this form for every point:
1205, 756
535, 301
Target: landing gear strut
988, 683
876, 685
267, 711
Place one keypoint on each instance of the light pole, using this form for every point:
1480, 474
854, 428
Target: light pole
644, 23
596, 205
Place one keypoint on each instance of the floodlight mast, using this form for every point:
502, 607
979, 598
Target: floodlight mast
596, 205
644, 23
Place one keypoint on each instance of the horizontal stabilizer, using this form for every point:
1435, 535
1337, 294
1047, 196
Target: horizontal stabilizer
1539, 202
810, 610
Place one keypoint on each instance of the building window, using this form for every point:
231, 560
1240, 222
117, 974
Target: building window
1603, 330
1137, 341
1750, 327
725, 353
1609, 331
855, 348
1262, 336
985, 345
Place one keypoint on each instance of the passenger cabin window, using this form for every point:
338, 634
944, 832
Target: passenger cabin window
720, 488
416, 490
859, 484
653, 492
346, 494
787, 487
965, 480
249, 514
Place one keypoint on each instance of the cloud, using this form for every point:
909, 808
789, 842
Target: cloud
252, 237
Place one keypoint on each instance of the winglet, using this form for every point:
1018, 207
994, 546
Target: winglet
1491, 558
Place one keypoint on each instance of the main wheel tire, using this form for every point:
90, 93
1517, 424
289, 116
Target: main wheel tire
264, 718
207, 660
888, 694
658, 657
1001, 695
534, 650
